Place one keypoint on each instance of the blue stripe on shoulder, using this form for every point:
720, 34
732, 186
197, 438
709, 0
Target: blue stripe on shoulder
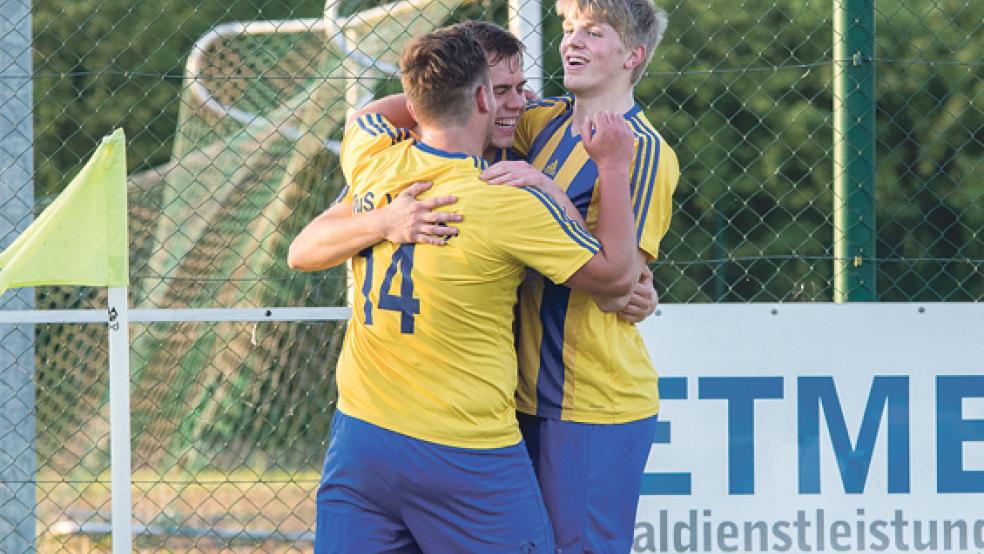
543, 102
643, 157
387, 128
365, 123
573, 230
548, 131
380, 130
649, 147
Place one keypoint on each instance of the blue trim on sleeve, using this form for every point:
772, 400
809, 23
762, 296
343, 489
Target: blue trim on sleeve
573, 230
364, 122
376, 125
397, 134
384, 126
649, 147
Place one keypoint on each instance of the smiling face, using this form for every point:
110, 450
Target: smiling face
508, 84
593, 54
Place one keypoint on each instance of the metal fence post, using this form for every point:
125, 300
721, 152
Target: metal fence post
526, 22
854, 150
17, 455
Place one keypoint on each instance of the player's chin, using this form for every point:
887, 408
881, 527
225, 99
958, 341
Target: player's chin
576, 83
502, 138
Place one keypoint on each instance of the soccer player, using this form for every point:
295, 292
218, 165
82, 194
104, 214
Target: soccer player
407, 220
588, 391
425, 453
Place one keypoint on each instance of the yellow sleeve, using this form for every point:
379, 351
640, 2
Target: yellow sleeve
652, 191
365, 137
533, 230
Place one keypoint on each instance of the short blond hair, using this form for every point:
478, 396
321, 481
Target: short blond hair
637, 22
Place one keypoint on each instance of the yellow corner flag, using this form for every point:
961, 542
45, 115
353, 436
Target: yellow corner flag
81, 238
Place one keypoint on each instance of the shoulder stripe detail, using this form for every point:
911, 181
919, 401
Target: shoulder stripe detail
571, 227
545, 102
366, 123
546, 133
644, 175
388, 128
376, 125
375, 120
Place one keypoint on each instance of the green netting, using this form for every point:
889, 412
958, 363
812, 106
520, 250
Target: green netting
232, 191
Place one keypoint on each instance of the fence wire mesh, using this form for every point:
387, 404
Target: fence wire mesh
233, 112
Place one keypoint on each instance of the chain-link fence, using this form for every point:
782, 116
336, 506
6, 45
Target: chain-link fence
233, 111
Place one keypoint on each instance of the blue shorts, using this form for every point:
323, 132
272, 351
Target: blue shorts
386, 492
590, 476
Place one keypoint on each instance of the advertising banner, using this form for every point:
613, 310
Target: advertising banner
816, 428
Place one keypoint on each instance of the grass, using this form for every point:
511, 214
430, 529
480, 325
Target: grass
238, 511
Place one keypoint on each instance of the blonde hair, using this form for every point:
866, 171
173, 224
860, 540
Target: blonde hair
637, 22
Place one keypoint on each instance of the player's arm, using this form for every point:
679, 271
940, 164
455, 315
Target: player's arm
640, 303
643, 300
392, 107
612, 271
518, 173
652, 224
337, 234
633, 307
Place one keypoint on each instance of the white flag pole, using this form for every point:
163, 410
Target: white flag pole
119, 419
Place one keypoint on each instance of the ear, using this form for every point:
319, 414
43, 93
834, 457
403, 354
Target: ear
637, 55
483, 100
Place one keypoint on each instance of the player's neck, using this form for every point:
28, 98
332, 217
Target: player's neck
588, 103
465, 140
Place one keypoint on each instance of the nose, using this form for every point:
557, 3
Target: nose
575, 38
515, 100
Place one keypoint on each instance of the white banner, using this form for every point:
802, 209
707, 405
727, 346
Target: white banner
816, 428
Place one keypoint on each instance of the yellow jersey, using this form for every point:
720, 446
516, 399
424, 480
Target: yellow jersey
576, 362
429, 351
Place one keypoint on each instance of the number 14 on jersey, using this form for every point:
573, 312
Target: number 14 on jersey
404, 302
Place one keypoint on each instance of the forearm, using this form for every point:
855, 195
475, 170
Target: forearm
639, 293
334, 237
609, 141
615, 229
609, 304
611, 272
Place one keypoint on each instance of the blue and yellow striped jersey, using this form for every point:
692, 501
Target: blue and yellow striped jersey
576, 362
429, 351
